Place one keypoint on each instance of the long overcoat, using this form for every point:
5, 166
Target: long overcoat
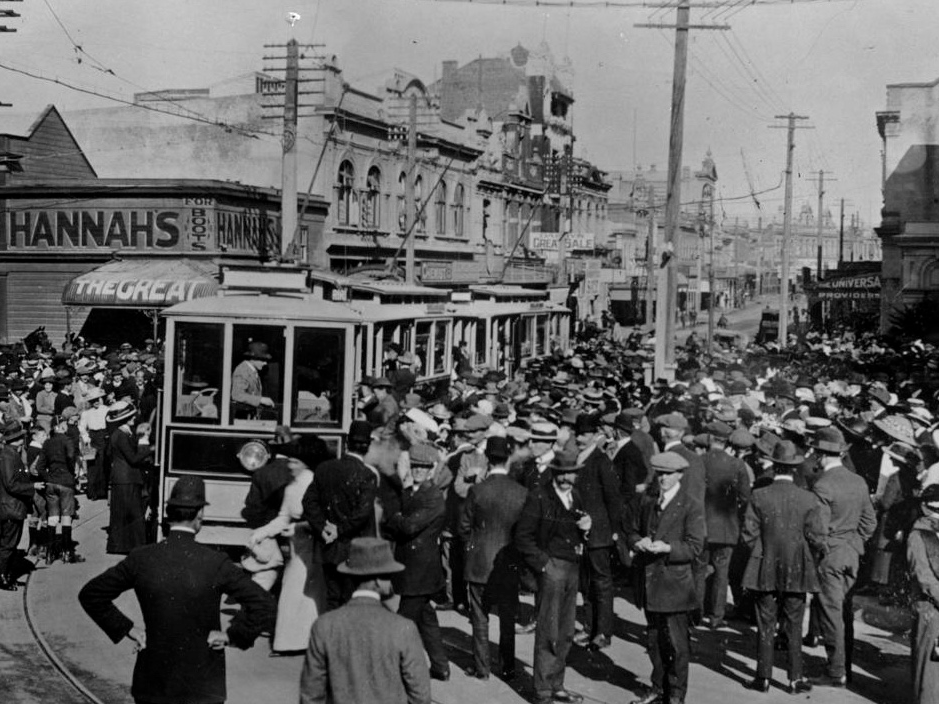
782, 527
665, 582
416, 531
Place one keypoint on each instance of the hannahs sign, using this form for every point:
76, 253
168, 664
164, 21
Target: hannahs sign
198, 226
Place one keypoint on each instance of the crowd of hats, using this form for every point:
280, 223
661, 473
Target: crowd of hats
25, 371
836, 390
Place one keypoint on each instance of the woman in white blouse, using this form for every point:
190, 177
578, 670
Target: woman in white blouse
303, 590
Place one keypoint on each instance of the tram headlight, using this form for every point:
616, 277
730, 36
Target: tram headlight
253, 455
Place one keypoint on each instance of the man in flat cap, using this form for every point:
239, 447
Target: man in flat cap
727, 491
667, 533
848, 520
550, 536
179, 583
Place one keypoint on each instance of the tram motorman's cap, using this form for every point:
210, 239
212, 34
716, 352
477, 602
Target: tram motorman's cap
668, 462
188, 492
257, 350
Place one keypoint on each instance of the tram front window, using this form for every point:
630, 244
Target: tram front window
257, 380
198, 372
318, 361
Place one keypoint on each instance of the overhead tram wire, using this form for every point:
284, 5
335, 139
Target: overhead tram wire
746, 55
752, 85
614, 4
228, 127
754, 80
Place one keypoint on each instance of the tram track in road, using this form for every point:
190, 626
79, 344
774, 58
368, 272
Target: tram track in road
42, 644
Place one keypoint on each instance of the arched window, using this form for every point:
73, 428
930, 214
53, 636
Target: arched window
457, 210
371, 206
402, 187
419, 214
440, 209
344, 192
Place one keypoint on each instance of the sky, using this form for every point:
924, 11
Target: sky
829, 60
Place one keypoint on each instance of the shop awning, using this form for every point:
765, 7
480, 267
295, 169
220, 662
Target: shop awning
142, 283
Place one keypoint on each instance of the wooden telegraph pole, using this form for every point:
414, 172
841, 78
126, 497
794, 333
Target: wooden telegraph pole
665, 315
787, 226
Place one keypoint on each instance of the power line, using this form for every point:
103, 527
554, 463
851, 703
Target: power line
603, 4
253, 133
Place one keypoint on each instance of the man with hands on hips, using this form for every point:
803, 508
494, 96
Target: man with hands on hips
179, 584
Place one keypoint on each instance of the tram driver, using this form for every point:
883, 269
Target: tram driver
247, 392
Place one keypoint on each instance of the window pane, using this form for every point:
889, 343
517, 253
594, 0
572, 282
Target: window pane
541, 338
422, 346
318, 357
481, 342
257, 392
440, 347
198, 374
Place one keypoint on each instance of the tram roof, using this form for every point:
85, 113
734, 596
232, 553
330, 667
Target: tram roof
505, 291
280, 307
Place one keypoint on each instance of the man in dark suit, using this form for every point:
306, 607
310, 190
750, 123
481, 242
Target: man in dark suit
727, 492
666, 531
416, 530
487, 520
782, 529
847, 521
550, 537
362, 652
600, 492
179, 583
629, 463
340, 506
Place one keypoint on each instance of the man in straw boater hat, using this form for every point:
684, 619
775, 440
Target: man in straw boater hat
363, 652
550, 535
666, 533
848, 520
782, 528
179, 584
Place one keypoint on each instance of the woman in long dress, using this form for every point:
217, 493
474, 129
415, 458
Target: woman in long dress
130, 482
303, 589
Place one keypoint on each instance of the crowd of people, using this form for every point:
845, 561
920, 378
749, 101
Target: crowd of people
75, 421
759, 484
772, 477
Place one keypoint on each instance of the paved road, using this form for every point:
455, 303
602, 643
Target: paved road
723, 659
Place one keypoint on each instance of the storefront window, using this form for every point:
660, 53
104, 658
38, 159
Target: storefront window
198, 374
257, 384
318, 369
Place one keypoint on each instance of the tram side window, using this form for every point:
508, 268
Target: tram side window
422, 347
257, 380
198, 372
440, 347
319, 372
541, 335
482, 343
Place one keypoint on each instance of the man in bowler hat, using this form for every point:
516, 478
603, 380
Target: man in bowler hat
179, 584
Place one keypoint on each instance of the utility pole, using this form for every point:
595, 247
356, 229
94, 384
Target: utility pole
820, 223
409, 209
711, 274
841, 236
787, 226
650, 259
665, 332
288, 187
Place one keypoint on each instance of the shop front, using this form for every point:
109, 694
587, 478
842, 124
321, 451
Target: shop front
101, 257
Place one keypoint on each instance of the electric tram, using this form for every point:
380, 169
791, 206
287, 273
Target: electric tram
321, 334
